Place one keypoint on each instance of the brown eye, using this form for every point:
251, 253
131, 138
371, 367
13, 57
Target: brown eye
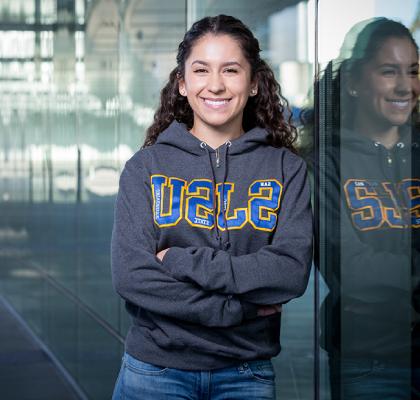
201, 70
231, 70
388, 72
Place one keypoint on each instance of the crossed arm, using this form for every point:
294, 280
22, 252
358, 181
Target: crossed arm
275, 274
262, 310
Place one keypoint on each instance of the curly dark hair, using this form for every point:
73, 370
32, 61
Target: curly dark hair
268, 109
369, 41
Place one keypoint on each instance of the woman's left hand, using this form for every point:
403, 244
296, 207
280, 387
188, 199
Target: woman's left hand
161, 254
265, 311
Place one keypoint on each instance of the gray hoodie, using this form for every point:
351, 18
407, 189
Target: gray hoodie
197, 309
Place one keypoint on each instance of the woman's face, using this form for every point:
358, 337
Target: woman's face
217, 83
388, 88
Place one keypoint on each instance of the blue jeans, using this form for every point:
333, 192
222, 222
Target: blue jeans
138, 380
355, 379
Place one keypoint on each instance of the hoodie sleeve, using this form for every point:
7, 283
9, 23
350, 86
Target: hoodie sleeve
140, 278
275, 273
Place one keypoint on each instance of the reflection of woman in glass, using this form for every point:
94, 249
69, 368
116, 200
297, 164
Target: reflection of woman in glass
212, 226
373, 191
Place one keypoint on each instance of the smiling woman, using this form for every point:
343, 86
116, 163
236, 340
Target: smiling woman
213, 226
386, 89
217, 90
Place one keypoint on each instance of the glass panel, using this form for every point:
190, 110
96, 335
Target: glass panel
368, 188
17, 11
80, 11
48, 10
96, 83
75, 100
61, 329
99, 358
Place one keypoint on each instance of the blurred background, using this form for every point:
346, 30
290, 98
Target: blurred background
79, 82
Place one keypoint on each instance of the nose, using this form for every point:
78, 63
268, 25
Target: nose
404, 84
215, 83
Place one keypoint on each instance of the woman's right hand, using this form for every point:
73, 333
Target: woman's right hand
264, 311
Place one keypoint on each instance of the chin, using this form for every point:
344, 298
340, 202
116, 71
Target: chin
217, 122
399, 121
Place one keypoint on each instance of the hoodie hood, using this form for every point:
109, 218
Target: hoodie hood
364, 145
177, 135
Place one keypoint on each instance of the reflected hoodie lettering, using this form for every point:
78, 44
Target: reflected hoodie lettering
375, 205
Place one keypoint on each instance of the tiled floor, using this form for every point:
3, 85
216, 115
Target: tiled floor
26, 370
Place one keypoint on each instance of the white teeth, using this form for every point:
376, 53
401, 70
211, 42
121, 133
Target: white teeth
216, 102
400, 104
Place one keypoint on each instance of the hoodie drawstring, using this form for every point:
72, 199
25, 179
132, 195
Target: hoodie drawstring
225, 245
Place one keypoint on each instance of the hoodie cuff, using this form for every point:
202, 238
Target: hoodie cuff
173, 259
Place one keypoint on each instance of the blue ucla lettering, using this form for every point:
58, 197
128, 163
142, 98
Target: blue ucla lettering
239, 217
176, 188
265, 199
199, 206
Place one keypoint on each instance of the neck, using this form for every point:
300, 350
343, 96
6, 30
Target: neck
216, 137
387, 135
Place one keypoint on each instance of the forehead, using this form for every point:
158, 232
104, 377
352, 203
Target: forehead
396, 50
216, 48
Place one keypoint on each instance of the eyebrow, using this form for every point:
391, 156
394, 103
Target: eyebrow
226, 64
416, 64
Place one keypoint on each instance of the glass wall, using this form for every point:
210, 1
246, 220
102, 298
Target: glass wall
367, 186
79, 82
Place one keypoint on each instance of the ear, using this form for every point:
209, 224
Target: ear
351, 87
181, 87
254, 88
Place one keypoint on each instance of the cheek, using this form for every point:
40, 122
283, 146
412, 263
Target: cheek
377, 90
240, 87
416, 87
193, 82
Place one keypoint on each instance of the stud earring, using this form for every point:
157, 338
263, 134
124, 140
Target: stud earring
253, 92
183, 92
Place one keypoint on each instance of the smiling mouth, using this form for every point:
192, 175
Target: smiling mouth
400, 104
216, 102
